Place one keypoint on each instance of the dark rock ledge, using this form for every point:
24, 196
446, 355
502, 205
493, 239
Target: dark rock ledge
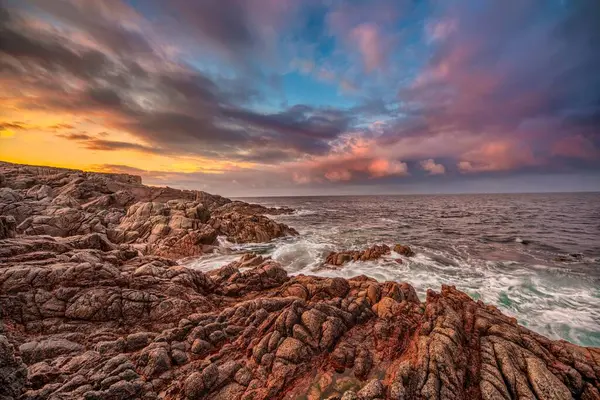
94, 306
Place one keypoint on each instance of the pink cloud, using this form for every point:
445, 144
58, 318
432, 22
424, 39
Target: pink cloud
369, 43
379, 168
433, 168
465, 166
338, 175
577, 146
342, 167
497, 156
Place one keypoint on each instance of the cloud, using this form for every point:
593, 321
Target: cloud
13, 125
465, 166
338, 175
497, 156
312, 93
381, 167
76, 136
432, 168
577, 146
165, 103
368, 40
109, 145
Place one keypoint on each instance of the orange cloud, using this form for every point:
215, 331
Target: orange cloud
381, 167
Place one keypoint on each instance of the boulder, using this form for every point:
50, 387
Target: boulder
8, 225
404, 250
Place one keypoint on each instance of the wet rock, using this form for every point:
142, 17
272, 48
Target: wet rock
251, 209
404, 250
372, 253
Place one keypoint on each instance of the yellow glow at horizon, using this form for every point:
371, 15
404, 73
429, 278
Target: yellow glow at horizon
6, 134
41, 146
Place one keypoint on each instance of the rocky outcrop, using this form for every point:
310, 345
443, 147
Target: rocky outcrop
43, 201
242, 228
370, 254
146, 328
101, 315
252, 209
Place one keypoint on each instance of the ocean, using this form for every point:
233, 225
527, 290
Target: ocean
535, 256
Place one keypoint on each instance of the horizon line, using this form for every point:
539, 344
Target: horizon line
417, 194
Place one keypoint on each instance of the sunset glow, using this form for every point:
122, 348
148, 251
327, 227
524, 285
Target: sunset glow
258, 97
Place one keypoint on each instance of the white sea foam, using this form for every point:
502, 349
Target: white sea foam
303, 212
209, 262
483, 255
223, 242
302, 254
546, 300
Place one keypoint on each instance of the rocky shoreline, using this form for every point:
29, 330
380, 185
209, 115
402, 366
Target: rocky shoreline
95, 306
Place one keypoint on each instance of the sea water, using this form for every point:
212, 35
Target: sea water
535, 256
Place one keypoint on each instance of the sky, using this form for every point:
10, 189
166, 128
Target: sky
307, 97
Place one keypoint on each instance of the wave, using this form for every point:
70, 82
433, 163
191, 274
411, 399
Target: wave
303, 212
506, 250
304, 253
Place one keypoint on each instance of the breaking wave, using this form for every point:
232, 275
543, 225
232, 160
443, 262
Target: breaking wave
481, 244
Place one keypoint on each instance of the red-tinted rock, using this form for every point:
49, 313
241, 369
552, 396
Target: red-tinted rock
372, 253
404, 250
98, 320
